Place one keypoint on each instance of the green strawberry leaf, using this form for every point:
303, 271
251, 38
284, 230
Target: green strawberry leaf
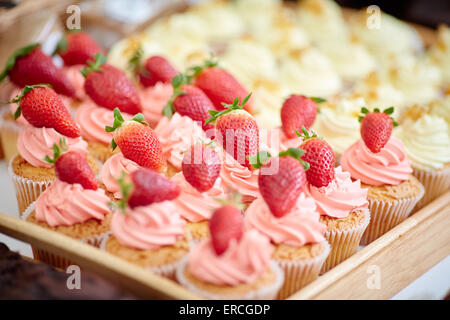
12, 59
258, 160
296, 153
389, 110
125, 190
134, 63
99, 60
58, 149
228, 108
318, 99
113, 145
306, 135
61, 46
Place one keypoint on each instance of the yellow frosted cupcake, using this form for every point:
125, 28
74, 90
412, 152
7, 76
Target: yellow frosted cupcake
427, 144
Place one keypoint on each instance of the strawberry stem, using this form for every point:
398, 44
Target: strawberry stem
99, 60
306, 135
295, 153
258, 160
22, 52
228, 108
58, 149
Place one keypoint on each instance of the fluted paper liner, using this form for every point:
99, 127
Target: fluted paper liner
385, 215
27, 191
299, 273
344, 243
53, 259
9, 133
435, 182
268, 292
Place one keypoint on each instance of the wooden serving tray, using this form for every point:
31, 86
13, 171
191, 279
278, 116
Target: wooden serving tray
400, 256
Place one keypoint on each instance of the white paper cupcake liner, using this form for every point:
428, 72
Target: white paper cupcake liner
53, 259
9, 133
298, 273
268, 292
27, 191
435, 183
344, 243
385, 215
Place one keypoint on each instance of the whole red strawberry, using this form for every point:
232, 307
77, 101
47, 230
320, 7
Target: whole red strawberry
226, 224
72, 167
190, 101
297, 111
281, 189
156, 69
137, 141
237, 131
41, 106
376, 128
201, 167
109, 87
29, 65
151, 186
320, 157
77, 47
221, 87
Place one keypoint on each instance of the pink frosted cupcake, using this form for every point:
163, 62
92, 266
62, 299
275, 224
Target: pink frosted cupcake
112, 170
153, 101
298, 236
393, 191
201, 188
232, 264
176, 136
147, 229
343, 209
92, 120
72, 205
30, 172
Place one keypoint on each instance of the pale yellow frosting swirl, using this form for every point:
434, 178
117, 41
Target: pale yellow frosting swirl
426, 140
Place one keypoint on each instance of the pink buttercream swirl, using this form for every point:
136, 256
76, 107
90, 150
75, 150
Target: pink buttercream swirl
153, 101
149, 227
389, 166
243, 262
113, 169
177, 135
340, 197
64, 204
34, 144
195, 206
76, 78
239, 178
93, 119
298, 227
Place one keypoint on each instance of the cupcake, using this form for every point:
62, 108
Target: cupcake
232, 264
52, 124
92, 121
139, 147
342, 205
147, 229
201, 189
290, 220
176, 135
380, 162
427, 144
72, 205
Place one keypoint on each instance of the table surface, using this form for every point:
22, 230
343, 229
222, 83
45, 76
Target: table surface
434, 284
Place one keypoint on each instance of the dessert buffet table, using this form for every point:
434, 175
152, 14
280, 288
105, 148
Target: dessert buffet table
433, 284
